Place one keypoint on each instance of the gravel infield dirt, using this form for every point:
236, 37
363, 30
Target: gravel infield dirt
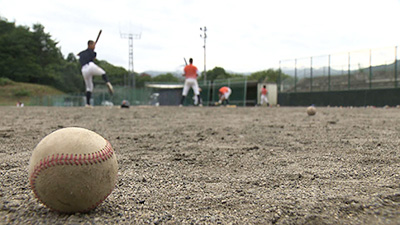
218, 165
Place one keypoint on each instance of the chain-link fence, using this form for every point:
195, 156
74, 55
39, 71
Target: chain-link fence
244, 93
100, 96
171, 93
356, 70
237, 85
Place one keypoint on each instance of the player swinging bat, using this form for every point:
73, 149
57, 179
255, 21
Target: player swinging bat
90, 69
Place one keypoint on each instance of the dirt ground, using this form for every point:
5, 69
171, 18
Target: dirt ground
215, 165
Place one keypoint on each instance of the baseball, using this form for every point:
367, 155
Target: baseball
73, 170
311, 110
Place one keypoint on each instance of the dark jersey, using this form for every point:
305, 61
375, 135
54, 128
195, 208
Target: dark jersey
86, 56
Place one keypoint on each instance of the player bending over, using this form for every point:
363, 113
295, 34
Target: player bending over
224, 94
191, 72
90, 69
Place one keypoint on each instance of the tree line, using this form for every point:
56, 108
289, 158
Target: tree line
31, 55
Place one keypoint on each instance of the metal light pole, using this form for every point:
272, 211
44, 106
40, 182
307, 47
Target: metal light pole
130, 37
204, 36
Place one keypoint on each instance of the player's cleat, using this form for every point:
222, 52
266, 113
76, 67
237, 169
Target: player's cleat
88, 106
110, 88
200, 105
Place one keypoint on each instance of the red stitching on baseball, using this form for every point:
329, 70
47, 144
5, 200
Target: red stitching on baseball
71, 158
66, 159
97, 157
104, 154
44, 163
74, 159
60, 160
56, 159
84, 160
91, 157
100, 156
52, 160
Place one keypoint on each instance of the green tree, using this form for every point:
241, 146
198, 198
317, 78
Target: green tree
142, 79
116, 74
219, 73
48, 56
216, 73
27, 56
16, 61
168, 77
70, 79
71, 58
269, 75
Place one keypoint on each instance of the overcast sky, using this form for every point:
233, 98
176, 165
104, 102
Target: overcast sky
242, 35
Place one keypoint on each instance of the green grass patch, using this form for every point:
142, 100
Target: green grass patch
11, 92
5, 81
21, 93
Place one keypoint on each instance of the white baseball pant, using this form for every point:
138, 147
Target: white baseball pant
191, 83
88, 71
264, 99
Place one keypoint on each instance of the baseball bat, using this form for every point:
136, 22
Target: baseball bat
185, 61
98, 36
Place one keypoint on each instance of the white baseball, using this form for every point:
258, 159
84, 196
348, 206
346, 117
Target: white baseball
73, 170
311, 110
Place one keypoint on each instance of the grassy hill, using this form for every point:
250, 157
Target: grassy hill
11, 92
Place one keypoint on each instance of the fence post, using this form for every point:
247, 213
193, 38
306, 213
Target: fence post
213, 91
279, 77
329, 72
348, 73
311, 75
395, 66
208, 92
370, 69
245, 91
295, 75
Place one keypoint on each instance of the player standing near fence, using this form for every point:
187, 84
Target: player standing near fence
264, 96
90, 69
190, 72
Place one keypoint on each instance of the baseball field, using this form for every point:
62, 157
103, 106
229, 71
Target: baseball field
217, 165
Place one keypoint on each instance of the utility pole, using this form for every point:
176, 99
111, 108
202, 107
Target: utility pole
204, 36
130, 37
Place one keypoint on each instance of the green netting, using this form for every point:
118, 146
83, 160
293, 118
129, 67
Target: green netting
100, 96
209, 92
243, 93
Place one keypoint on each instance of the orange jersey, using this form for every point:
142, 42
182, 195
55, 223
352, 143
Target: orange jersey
264, 91
190, 71
223, 90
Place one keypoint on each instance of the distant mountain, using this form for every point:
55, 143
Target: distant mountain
155, 73
324, 71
